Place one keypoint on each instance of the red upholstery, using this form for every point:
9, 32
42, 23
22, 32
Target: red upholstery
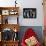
29, 33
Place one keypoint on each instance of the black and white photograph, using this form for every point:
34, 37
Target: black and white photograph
29, 12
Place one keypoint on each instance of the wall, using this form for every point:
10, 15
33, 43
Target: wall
31, 4
27, 4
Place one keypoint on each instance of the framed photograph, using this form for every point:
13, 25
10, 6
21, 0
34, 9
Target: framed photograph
13, 12
12, 20
5, 20
29, 12
6, 34
5, 12
9, 34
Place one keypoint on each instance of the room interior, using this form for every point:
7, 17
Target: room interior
17, 16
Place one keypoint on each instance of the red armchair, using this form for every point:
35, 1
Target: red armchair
29, 33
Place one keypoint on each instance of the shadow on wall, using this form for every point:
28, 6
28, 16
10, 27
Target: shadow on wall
37, 29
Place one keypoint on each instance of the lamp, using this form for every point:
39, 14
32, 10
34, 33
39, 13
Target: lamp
15, 3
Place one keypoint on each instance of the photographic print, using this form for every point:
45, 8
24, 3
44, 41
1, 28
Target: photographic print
29, 12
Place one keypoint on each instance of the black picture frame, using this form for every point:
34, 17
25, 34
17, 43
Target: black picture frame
8, 35
29, 12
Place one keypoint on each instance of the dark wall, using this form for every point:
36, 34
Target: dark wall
37, 29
